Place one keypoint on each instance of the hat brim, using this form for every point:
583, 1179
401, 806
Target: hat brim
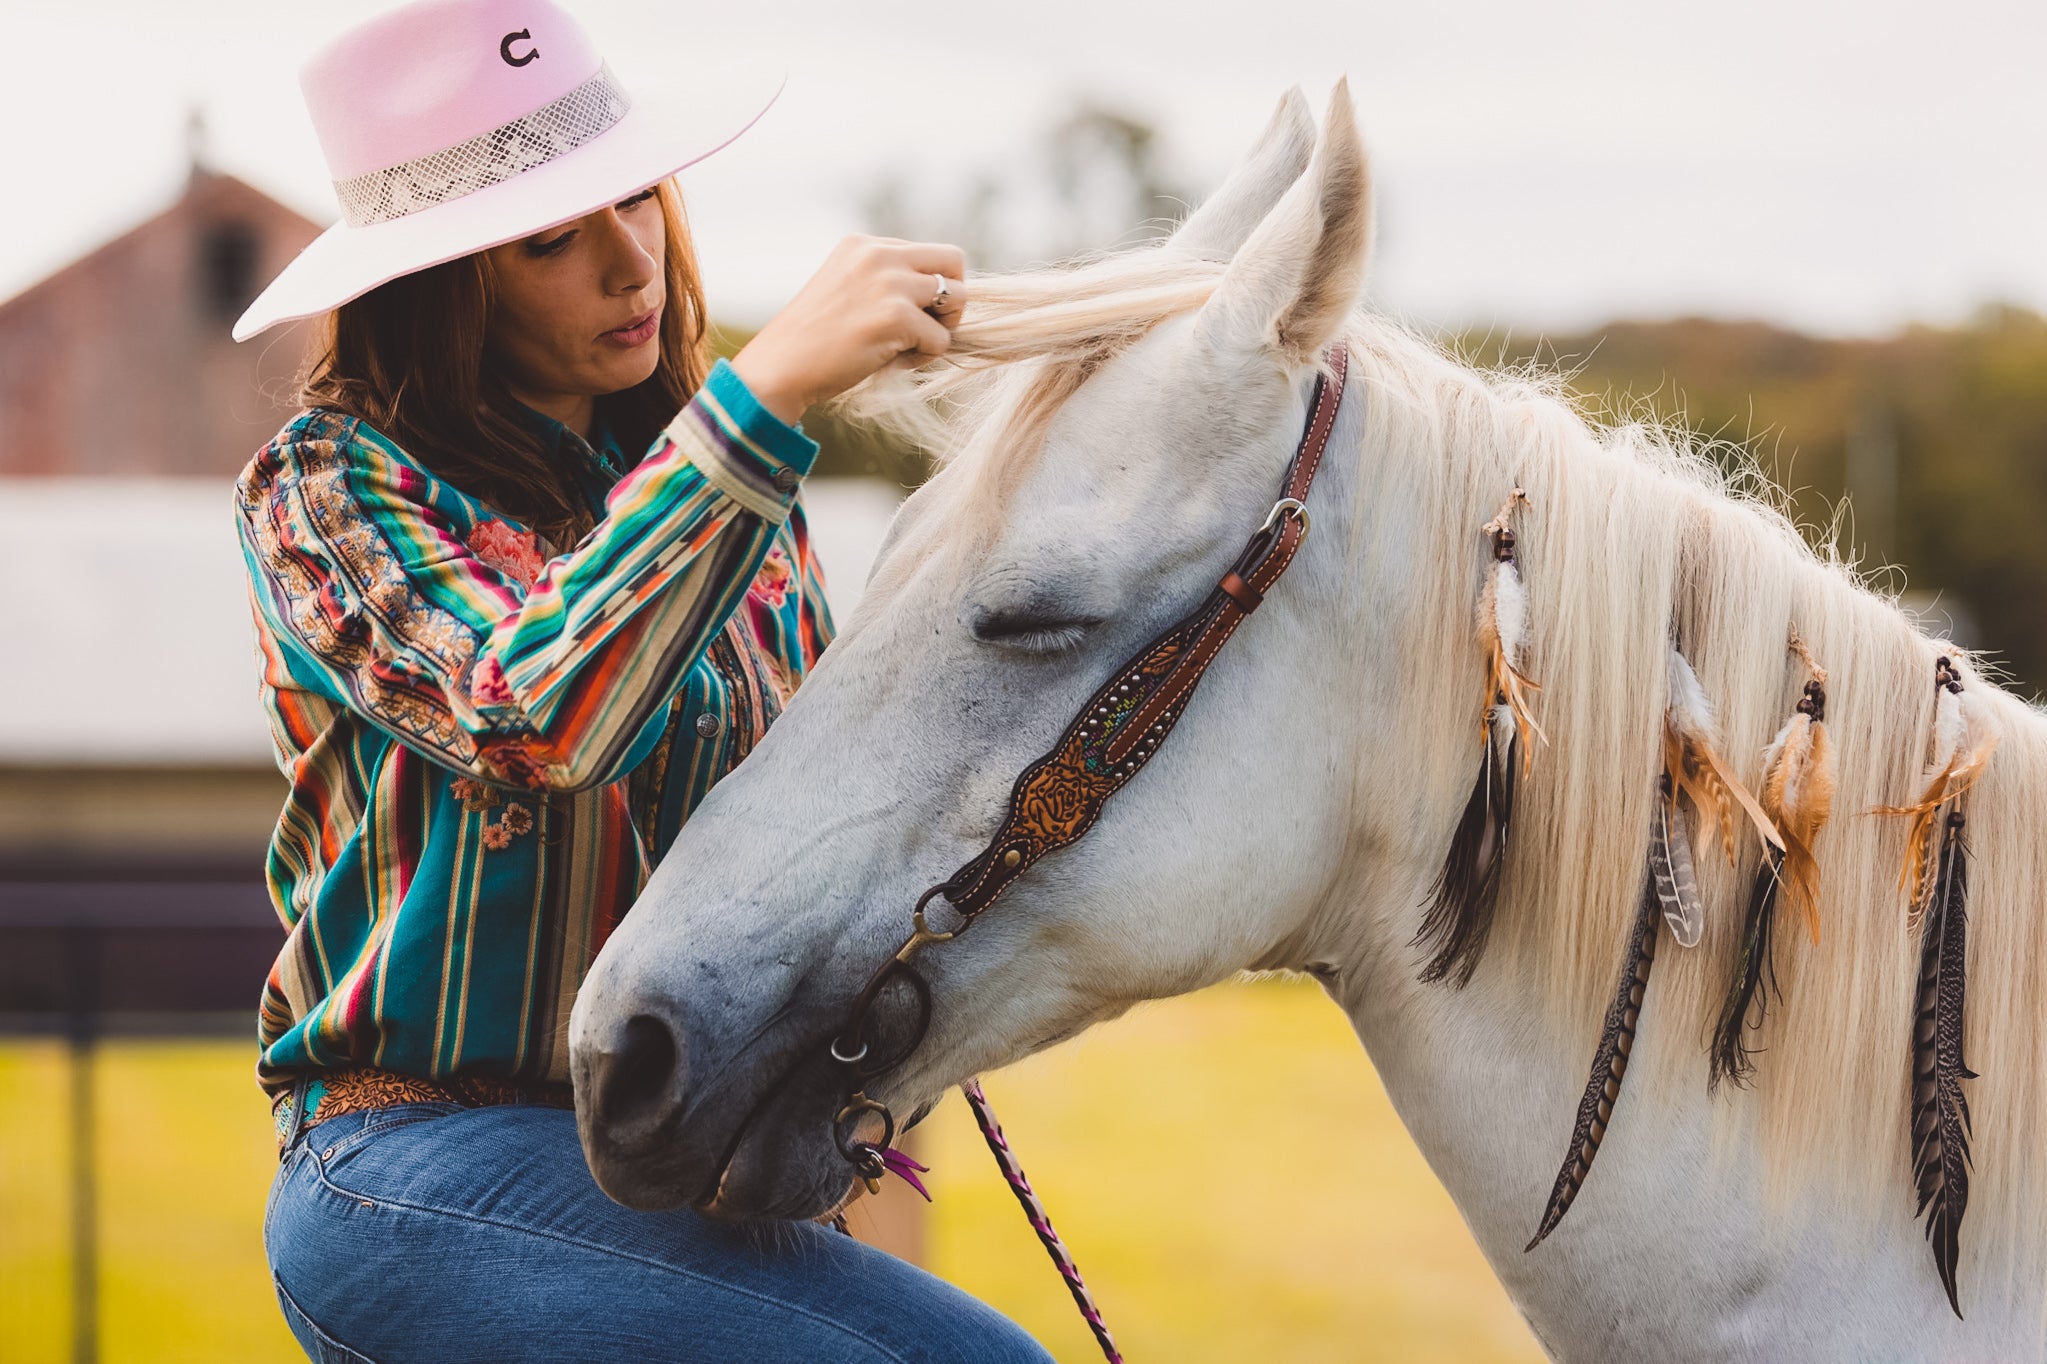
664, 132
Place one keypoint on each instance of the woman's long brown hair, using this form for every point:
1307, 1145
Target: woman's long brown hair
408, 357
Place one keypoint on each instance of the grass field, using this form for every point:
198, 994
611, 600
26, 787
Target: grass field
1224, 1166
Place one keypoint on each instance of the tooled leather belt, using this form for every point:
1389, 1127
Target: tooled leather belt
357, 1089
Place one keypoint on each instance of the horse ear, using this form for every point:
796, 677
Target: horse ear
1299, 274
1216, 229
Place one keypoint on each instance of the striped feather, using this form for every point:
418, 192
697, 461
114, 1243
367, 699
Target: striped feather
1609, 1066
1671, 875
1940, 1111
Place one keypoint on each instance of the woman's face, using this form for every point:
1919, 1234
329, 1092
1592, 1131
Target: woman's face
577, 308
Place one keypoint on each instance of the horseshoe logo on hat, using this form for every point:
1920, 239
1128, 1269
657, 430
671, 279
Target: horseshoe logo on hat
505, 48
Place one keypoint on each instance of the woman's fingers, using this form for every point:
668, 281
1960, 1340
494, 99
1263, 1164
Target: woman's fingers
947, 308
935, 258
933, 336
873, 303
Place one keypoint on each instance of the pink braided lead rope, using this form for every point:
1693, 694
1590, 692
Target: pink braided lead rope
1041, 1223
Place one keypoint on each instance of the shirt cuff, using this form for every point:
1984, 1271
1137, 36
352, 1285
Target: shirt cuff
784, 443
749, 452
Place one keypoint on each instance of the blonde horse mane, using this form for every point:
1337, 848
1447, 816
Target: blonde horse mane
1633, 537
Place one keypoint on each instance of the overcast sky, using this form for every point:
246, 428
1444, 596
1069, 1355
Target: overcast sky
1841, 167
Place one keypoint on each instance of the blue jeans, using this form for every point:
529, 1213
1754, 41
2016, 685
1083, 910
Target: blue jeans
428, 1231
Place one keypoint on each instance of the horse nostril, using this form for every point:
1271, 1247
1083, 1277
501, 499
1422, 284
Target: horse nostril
636, 1083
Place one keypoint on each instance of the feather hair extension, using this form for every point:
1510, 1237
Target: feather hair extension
1692, 761
1672, 877
1459, 915
1670, 894
1940, 1111
1503, 631
1936, 879
1755, 980
1609, 1065
1798, 795
1959, 756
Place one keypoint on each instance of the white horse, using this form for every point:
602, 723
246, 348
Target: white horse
1110, 436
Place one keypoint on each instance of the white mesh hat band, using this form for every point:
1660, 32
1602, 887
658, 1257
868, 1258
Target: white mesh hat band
534, 139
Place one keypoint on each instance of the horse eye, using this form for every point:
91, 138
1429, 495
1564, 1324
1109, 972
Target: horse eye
1031, 632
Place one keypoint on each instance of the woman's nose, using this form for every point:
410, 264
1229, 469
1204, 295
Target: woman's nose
629, 266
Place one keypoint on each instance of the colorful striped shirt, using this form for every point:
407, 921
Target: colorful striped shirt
490, 745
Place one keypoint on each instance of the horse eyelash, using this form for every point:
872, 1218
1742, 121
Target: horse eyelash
1053, 639
1034, 637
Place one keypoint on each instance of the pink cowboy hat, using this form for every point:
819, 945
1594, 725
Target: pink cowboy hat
450, 126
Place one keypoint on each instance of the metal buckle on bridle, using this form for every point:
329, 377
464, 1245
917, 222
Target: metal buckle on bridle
1286, 506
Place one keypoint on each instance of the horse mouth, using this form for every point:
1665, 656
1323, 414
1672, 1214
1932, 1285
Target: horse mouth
777, 1162
781, 1162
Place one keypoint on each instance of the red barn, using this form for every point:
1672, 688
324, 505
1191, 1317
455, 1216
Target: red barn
120, 363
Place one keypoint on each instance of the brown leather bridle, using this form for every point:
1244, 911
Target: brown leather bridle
1058, 798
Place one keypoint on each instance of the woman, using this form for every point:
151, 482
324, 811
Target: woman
528, 577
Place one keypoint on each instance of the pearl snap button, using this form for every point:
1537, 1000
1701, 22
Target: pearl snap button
708, 725
786, 478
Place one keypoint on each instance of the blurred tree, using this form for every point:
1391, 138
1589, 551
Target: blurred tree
1939, 436
1094, 179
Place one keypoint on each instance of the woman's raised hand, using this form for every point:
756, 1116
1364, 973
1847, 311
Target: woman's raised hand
869, 303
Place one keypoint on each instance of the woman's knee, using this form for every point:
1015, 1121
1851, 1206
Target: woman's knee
435, 1207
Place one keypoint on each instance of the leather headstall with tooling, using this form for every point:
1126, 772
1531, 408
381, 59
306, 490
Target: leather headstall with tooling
1058, 797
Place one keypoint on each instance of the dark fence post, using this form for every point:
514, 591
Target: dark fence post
171, 951
81, 1029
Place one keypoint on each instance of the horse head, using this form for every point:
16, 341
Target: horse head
1007, 585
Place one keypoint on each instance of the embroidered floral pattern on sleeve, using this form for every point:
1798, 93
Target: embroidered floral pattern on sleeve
489, 746
512, 552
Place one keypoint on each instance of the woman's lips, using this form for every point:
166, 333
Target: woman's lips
635, 333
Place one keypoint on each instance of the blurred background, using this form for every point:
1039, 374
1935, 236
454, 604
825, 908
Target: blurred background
1809, 231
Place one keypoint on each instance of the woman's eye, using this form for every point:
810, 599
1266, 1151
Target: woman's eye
642, 197
535, 247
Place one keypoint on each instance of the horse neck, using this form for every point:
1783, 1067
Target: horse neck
1681, 1245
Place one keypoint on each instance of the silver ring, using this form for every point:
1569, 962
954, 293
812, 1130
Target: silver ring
844, 1060
944, 292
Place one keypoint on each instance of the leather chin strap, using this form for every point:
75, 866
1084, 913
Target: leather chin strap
1058, 798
